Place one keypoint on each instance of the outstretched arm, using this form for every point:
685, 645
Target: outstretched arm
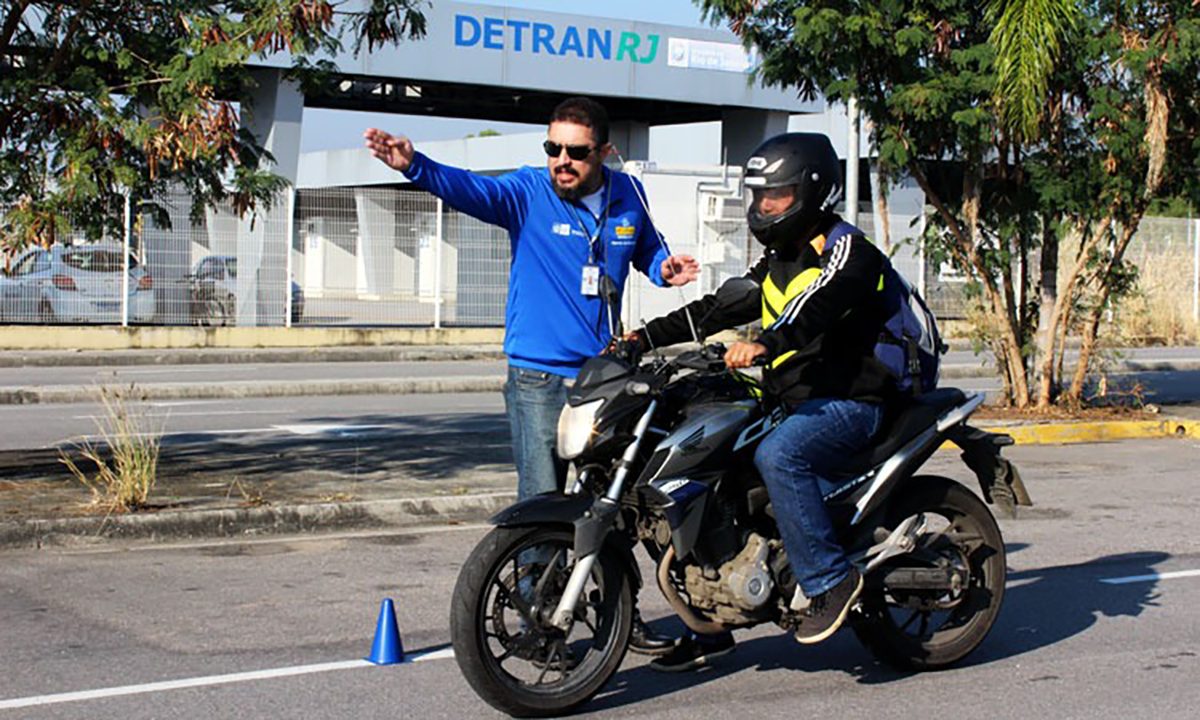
495, 200
728, 307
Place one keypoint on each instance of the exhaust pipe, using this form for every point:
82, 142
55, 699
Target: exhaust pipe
689, 618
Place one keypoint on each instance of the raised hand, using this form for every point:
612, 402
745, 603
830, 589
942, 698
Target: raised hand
395, 151
679, 270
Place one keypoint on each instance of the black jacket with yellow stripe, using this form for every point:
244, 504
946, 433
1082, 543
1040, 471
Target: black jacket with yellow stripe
822, 314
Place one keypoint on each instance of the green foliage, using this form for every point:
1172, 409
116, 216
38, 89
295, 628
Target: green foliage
1097, 116
1028, 36
107, 96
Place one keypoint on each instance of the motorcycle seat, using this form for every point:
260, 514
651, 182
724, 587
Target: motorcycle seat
913, 419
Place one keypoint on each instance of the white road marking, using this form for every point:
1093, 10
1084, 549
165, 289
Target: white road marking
318, 429
36, 700
197, 413
176, 370
1154, 577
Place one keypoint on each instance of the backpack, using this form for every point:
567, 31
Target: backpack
909, 345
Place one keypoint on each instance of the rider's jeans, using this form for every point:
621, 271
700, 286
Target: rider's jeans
533, 400
795, 461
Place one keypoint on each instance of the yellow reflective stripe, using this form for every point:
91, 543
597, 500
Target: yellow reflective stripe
880, 288
774, 301
751, 384
782, 358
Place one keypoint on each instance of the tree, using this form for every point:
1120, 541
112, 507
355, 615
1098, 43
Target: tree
922, 75
1028, 36
1142, 83
103, 97
1075, 144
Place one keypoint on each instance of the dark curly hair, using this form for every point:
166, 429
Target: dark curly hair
583, 111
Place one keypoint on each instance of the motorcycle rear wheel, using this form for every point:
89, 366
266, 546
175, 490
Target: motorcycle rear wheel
933, 629
510, 655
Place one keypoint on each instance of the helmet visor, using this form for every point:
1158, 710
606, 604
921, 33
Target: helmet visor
769, 203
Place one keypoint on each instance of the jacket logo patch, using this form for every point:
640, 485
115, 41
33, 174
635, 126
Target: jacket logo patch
625, 231
561, 229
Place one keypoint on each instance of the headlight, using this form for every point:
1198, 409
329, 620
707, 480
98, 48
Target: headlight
575, 426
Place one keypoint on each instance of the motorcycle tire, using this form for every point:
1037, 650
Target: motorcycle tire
933, 629
484, 640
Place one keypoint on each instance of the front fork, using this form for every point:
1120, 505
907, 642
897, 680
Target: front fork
593, 527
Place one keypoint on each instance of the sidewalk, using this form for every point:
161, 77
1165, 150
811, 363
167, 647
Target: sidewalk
427, 472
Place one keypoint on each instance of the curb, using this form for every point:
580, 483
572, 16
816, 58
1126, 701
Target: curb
1093, 432
31, 395
199, 356
233, 522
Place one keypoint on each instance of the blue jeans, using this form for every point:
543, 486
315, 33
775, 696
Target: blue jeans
533, 400
796, 461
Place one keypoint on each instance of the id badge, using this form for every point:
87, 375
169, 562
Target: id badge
590, 285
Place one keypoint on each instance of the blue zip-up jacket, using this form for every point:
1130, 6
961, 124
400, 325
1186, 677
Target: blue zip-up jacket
550, 325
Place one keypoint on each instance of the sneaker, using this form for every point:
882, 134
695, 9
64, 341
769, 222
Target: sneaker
827, 611
647, 642
694, 651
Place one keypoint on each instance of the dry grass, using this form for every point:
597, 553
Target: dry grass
1160, 310
125, 478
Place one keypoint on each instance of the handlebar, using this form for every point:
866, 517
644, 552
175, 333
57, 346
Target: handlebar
712, 357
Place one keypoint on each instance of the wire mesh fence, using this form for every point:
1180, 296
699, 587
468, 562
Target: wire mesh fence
396, 256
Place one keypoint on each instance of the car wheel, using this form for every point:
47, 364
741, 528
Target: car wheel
45, 315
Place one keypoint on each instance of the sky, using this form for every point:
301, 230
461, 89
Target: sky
340, 129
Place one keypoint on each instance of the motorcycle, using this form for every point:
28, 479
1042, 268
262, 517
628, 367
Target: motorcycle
663, 450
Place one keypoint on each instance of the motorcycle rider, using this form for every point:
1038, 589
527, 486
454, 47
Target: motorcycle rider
822, 313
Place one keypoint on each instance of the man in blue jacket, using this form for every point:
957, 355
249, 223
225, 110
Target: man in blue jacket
571, 224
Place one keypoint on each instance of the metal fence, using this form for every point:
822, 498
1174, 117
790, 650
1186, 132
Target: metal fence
1165, 302
397, 256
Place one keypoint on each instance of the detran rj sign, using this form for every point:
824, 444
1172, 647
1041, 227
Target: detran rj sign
543, 38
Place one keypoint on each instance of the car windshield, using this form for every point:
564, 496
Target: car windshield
94, 260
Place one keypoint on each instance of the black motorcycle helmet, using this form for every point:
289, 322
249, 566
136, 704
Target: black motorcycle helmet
806, 161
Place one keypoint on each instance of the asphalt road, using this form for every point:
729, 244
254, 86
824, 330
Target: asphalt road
245, 372
1067, 643
247, 419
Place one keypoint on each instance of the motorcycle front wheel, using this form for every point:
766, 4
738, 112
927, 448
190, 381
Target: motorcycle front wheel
932, 628
499, 622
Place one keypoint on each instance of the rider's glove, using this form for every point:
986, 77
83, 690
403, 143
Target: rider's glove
629, 347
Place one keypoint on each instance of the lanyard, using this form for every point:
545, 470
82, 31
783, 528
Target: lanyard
600, 222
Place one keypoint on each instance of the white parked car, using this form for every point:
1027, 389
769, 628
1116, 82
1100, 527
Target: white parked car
76, 284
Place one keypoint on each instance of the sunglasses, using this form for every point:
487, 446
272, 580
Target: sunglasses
575, 152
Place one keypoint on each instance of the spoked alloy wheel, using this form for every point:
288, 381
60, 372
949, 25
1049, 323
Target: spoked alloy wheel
927, 629
218, 311
506, 648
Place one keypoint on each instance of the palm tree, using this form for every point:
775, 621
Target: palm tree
1028, 37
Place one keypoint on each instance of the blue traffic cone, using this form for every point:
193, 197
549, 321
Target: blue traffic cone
387, 649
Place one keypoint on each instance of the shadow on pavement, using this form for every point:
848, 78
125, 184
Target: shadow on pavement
419, 448
1042, 607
